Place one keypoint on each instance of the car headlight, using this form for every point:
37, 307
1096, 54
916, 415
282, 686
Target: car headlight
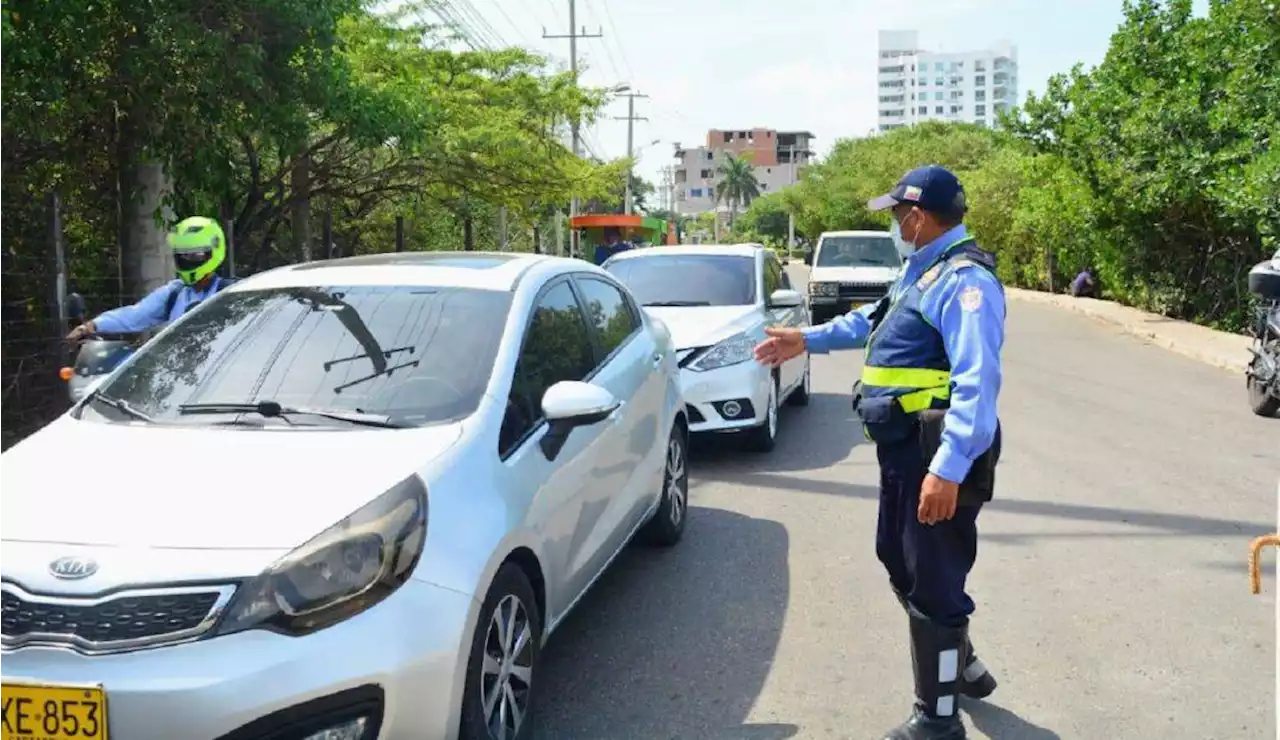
339, 573
824, 289
737, 348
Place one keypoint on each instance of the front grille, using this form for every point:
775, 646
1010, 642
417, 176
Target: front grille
867, 292
127, 618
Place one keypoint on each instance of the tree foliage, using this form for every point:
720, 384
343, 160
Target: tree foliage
1156, 167
274, 114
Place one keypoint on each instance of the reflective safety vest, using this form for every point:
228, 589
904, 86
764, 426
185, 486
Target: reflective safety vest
906, 369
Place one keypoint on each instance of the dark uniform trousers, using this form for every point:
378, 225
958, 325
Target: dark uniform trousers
927, 564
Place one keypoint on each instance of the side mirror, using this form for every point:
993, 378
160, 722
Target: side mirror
75, 307
570, 404
786, 299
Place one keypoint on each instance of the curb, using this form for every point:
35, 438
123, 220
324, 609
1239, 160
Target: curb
1218, 348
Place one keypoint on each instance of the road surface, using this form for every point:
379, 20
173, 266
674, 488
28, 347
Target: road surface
1111, 584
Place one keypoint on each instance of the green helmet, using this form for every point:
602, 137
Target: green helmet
199, 248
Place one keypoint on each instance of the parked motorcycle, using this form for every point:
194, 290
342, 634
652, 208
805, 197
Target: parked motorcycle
1263, 374
96, 357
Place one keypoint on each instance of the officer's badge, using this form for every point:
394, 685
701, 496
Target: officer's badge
971, 298
929, 277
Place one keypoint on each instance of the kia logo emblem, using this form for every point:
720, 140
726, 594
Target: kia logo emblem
73, 568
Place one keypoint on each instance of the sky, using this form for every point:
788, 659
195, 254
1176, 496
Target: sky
781, 64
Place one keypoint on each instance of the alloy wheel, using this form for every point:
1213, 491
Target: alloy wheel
677, 481
506, 673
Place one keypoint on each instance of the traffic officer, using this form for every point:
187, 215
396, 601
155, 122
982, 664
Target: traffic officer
927, 398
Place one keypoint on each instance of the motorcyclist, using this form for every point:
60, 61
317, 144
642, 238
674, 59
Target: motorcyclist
199, 249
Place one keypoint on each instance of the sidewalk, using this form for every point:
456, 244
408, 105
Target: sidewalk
1218, 348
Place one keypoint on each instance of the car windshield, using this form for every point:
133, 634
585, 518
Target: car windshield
414, 354
858, 251
688, 279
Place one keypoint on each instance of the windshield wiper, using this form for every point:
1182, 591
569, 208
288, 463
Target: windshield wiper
679, 303
271, 409
119, 404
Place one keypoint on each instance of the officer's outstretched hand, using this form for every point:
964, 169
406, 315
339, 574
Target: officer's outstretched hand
781, 345
937, 499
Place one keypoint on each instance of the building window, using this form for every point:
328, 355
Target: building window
695, 193
711, 155
937, 66
979, 65
980, 81
937, 95
979, 110
705, 174
980, 95
764, 186
955, 109
924, 110
938, 110
924, 82
938, 81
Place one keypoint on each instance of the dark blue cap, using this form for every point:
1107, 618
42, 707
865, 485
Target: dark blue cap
932, 188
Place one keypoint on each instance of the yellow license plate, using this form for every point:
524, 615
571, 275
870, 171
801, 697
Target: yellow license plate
36, 712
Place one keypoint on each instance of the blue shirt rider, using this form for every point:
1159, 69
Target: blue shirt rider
946, 298
612, 245
199, 249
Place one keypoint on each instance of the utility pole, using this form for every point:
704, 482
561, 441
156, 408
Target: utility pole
631, 119
573, 37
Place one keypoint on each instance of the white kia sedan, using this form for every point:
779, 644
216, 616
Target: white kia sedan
343, 500
717, 301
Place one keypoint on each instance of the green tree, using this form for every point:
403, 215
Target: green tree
738, 185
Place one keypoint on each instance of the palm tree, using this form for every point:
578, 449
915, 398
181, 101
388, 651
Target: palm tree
738, 185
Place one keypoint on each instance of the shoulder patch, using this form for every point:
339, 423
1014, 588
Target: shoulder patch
971, 298
929, 277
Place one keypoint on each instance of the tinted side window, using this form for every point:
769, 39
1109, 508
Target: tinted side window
610, 312
556, 347
784, 279
772, 278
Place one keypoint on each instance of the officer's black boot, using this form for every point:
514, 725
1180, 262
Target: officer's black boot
937, 653
976, 682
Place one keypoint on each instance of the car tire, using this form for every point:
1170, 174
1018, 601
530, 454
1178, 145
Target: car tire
667, 525
507, 666
800, 396
762, 438
1260, 400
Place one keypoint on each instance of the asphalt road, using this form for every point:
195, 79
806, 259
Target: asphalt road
1111, 582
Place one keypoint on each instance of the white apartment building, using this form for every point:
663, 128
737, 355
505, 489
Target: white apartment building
917, 85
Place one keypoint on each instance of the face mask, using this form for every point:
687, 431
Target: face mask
904, 247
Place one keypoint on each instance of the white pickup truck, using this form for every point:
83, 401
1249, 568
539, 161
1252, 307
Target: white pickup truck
849, 269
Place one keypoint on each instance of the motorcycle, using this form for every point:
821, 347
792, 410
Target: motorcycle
97, 356
1262, 377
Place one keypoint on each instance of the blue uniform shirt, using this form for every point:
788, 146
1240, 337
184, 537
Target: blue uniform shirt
149, 312
973, 336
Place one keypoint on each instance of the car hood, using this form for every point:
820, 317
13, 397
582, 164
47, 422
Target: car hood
853, 274
93, 483
702, 326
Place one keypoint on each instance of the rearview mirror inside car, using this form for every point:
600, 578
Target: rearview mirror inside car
75, 307
570, 404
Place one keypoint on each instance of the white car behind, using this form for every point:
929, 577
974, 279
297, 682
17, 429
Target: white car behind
716, 301
849, 269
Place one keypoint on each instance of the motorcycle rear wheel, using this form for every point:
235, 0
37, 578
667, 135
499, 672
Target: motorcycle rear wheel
1260, 400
